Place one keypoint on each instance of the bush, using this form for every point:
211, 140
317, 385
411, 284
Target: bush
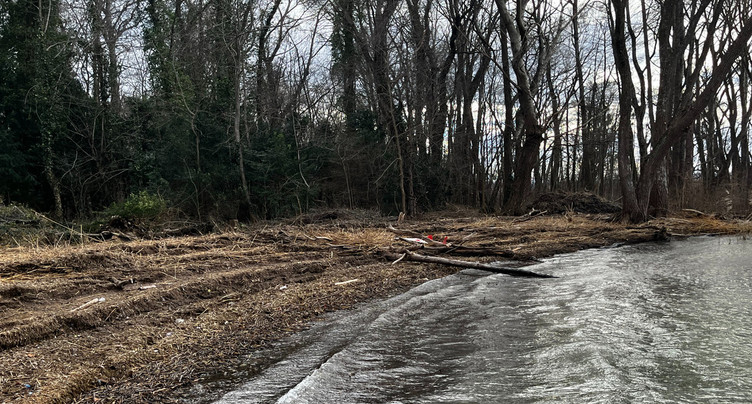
143, 205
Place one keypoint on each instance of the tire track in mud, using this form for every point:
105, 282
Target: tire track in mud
95, 304
39, 324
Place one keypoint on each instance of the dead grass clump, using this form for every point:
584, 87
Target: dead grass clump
693, 224
18, 224
39, 261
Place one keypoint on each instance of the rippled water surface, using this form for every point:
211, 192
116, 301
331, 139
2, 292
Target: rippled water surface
668, 322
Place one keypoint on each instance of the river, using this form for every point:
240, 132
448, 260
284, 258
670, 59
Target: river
650, 323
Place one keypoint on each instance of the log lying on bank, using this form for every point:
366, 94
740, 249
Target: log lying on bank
411, 256
417, 238
533, 213
468, 251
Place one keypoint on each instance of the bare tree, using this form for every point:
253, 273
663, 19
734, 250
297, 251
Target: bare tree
527, 86
679, 103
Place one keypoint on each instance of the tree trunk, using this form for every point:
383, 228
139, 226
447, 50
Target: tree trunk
509, 130
533, 131
54, 183
236, 133
630, 206
386, 110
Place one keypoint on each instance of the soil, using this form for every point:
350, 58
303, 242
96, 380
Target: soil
145, 320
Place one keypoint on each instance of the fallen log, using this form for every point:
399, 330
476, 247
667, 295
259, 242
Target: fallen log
411, 256
89, 303
533, 213
415, 237
106, 235
474, 251
695, 212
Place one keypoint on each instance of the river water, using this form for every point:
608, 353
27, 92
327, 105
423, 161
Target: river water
661, 322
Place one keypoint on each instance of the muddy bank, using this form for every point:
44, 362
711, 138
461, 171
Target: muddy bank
142, 321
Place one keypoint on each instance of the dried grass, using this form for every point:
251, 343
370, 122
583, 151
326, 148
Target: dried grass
219, 297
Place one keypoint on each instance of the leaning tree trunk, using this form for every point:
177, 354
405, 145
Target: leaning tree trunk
630, 206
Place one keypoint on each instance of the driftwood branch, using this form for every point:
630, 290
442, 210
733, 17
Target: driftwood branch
411, 256
695, 212
415, 237
317, 238
533, 213
89, 303
121, 284
474, 251
470, 251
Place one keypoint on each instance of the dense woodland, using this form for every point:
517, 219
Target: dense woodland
266, 108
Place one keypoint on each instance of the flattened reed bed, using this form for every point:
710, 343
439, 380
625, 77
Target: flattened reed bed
232, 293
121, 305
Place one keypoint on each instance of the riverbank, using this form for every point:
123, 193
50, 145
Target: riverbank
144, 320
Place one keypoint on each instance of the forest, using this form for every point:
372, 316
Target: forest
256, 109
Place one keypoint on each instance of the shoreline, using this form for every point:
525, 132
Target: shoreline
142, 321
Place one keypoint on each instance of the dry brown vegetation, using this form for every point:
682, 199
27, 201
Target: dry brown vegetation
142, 321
